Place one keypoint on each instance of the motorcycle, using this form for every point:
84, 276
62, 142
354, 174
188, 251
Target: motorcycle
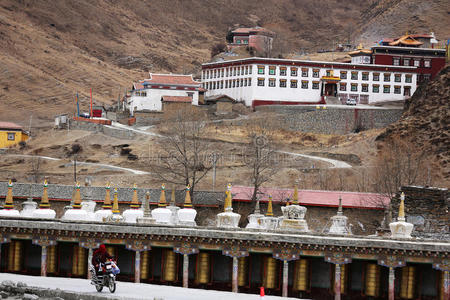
106, 277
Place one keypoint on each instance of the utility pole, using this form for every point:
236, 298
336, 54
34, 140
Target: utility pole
75, 168
29, 127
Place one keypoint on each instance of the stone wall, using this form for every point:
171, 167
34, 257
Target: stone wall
106, 130
330, 120
427, 208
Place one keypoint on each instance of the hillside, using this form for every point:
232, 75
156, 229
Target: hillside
51, 49
426, 120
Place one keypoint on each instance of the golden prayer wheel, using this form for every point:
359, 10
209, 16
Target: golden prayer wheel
408, 282
301, 275
242, 271
51, 259
144, 264
170, 265
79, 263
15, 256
203, 268
343, 279
270, 272
372, 280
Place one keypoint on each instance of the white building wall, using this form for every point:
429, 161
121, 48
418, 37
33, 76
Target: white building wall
152, 101
247, 93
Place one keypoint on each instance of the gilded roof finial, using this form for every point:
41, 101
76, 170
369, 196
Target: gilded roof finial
295, 196
187, 199
228, 205
135, 201
162, 198
77, 197
115, 208
9, 197
269, 207
44, 200
401, 209
107, 201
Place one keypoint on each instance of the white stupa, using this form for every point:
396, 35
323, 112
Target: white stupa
44, 211
28, 207
115, 217
255, 219
186, 215
228, 218
269, 222
76, 213
162, 214
102, 214
294, 215
147, 217
401, 229
130, 215
8, 209
174, 209
339, 222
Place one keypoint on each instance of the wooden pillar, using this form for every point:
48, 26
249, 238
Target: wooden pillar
391, 283
446, 283
90, 253
234, 280
137, 267
44, 261
337, 282
285, 278
185, 270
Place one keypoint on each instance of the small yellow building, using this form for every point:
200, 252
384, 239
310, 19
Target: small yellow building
11, 134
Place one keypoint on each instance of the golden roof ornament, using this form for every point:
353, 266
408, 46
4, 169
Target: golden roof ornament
295, 196
401, 209
269, 207
107, 202
77, 197
135, 201
228, 205
115, 208
187, 199
162, 198
9, 204
44, 200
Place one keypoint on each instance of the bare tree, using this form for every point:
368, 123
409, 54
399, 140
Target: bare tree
36, 171
184, 153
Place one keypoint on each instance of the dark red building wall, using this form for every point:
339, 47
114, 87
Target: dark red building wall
437, 63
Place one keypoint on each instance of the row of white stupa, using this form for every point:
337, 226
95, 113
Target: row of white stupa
292, 219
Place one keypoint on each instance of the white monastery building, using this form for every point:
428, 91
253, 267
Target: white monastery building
148, 94
265, 81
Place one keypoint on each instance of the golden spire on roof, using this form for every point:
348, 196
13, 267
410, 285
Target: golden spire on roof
135, 200
295, 196
44, 200
269, 207
162, 198
107, 201
77, 197
115, 208
187, 199
360, 46
9, 197
228, 205
401, 209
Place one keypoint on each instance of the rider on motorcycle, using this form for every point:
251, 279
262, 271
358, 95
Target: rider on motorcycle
100, 256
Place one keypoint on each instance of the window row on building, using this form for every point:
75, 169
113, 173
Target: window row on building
140, 93
227, 72
375, 88
226, 84
411, 61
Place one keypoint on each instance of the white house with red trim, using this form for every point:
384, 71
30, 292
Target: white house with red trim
148, 94
264, 81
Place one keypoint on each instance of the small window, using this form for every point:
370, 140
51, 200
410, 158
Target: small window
272, 70
250, 69
343, 75
260, 81
260, 69
375, 88
238, 71
376, 76
329, 73
397, 89
386, 89
245, 81
354, 87
237, 83
354, 75
272, 82
234, 83
408, 78
387, 77
396, 61
305, 72
398, 77
226, 84
246, 70
283, 71
249, 82
427, 63
365, 88
11, 136
293, 71
221, 84
316, 73
407, 91
315, 85
426, 77
417, 63
234, 71
283, 83
304, 84
343, 86
365, 76
294, 84
406, 61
